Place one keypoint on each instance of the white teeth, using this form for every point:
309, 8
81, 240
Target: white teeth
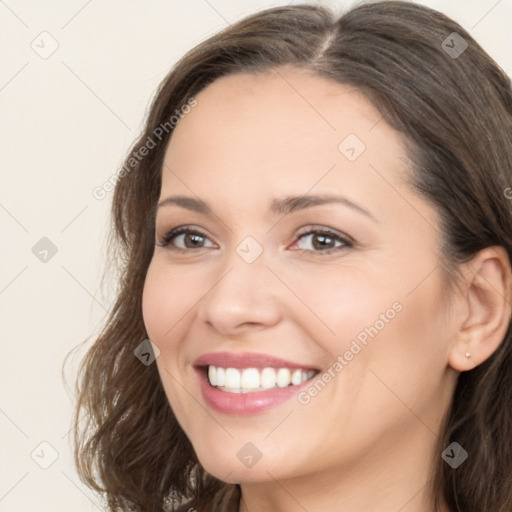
268, 378
212, 375
283, 377
221, 377
234, 380
250, 379
296, 377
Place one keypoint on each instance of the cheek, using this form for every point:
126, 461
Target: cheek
374, 322
164, 308
393, 311
343, 303
167, 298
154, 302
169, 303
406, 359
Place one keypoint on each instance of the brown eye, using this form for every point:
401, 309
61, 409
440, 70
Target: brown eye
185, 238
193, 240
322, 241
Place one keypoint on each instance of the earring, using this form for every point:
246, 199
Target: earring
468, 354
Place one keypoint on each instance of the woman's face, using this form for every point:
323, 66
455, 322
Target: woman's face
301, 251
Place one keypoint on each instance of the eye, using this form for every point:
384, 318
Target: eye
322, 240
184, 238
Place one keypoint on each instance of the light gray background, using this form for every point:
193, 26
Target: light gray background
66, 123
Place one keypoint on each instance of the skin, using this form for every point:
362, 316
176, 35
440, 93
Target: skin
250, 140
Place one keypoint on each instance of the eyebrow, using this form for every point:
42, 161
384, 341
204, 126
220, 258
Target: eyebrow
294, 203
189, 203
283, 206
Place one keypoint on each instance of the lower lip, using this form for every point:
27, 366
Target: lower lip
245, 404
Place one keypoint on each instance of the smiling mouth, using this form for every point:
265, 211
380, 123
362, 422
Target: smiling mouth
250, 380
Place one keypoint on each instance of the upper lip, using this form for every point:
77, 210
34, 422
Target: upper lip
247, 360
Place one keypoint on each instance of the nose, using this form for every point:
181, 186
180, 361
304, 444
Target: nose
244, 297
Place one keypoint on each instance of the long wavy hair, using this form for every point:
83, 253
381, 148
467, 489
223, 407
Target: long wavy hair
453, 107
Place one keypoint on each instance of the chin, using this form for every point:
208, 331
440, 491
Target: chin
231, 474
232, 467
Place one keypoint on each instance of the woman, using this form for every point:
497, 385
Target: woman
316, 237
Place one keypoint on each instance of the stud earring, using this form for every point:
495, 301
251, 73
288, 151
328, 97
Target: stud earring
468, 354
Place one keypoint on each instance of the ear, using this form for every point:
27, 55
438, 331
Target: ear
487, 298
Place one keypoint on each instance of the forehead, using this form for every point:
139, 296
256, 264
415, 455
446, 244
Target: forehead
281, 128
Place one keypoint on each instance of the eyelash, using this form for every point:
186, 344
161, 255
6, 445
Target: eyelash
346, 241
178, 231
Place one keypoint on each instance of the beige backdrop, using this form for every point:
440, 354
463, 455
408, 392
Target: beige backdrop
75, 81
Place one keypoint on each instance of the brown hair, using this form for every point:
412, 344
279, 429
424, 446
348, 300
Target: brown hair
455, 114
